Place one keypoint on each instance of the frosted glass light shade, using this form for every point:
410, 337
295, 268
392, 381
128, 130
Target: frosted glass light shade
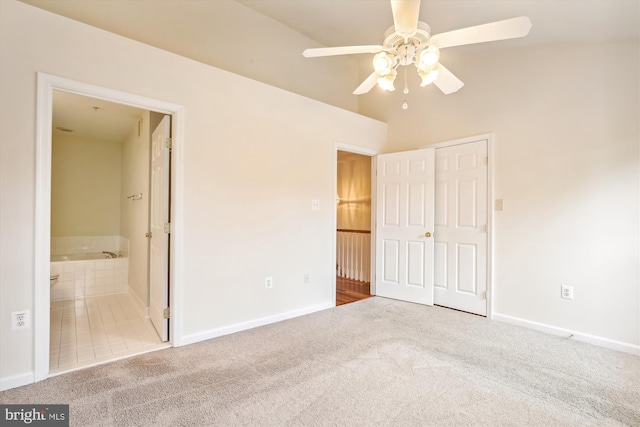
386, 82
430, 77
383, 63
428, 58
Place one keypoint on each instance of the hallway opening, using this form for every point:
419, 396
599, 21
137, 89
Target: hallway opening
353, 234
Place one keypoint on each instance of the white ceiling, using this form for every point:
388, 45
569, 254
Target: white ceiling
197, 28
349, 22
93, 118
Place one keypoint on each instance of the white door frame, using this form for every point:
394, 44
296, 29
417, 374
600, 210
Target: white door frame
490, 138
41, 288
339, 146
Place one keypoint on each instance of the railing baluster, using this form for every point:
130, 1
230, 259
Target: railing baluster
353, 254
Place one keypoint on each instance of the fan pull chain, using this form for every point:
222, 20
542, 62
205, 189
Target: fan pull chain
406, 89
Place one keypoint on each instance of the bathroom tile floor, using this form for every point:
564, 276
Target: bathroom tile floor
93, 330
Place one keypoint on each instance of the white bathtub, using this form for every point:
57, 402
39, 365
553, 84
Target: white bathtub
88, 274
78, 257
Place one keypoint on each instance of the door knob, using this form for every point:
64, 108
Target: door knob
428, 234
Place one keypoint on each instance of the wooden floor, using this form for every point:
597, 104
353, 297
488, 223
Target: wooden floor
348, 290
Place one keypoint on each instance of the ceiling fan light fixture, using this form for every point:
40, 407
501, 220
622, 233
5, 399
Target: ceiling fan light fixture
429, 77
383, 63
386, 82
410, 42
428, 57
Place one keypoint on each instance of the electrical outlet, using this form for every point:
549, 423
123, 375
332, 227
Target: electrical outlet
307, 278
20, 320
566, 292
268, 282
315, 205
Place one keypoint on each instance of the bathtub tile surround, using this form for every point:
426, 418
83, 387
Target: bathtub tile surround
89, 244
79, 279
88, 277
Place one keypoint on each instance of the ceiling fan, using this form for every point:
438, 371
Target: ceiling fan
409, 41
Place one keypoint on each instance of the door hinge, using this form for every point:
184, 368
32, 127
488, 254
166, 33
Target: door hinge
167, 228
486, 160
148, 235
166, 313
168, 143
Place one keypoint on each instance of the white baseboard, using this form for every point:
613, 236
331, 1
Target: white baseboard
140, 306
238, 327
578, 336
14, 381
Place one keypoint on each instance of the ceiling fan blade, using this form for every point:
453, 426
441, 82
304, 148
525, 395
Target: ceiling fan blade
446, 81
367, 85
343, 50
405, 16
500, 30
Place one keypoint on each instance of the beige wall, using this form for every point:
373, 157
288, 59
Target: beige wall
244, 216
85, 186
238, 39
567, 165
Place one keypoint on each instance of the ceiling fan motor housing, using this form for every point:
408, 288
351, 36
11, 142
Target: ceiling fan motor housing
407, 48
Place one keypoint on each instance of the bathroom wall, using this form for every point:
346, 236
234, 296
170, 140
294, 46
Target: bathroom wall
89, 244
85, 186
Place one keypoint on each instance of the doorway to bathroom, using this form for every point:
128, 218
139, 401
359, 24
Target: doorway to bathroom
101, 205
101, 192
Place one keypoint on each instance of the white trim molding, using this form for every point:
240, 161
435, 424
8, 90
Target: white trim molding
141, 307
567, 333
14, 381
339, 146
243, 326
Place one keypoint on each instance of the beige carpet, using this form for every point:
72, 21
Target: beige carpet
376, 362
